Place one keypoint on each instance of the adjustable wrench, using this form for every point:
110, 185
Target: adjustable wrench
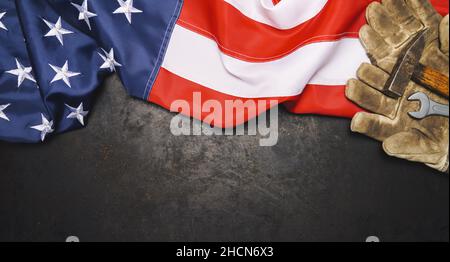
428, 107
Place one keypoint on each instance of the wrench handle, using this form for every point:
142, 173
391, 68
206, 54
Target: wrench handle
431, 79
438, 109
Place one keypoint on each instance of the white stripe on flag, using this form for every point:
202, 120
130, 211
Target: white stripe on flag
198, 59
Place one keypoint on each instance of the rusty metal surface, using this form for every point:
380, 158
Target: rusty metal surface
126, 178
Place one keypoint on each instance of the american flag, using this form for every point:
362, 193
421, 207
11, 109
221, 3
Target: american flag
55, 53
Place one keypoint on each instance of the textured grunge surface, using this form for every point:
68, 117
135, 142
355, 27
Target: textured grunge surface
126, 178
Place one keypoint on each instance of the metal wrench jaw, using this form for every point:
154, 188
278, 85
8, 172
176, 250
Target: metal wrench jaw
424, 105
428, 107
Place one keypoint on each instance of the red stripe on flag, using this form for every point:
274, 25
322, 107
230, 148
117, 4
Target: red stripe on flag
249, 40
316, 99
323, 100
170, 87
441, 6
246, 39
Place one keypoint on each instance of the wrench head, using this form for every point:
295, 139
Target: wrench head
424, 105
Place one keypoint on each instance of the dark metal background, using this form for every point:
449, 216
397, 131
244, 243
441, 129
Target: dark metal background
127, 178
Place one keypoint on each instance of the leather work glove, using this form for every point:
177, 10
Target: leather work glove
390, 25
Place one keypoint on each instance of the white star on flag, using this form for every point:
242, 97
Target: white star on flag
63, 73
45, 128
127, 8
22, 73
77, 113
2, 26
109, 60
84, 13
2, 114
57, 30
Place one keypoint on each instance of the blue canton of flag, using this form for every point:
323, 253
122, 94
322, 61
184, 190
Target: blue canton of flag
55, 53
